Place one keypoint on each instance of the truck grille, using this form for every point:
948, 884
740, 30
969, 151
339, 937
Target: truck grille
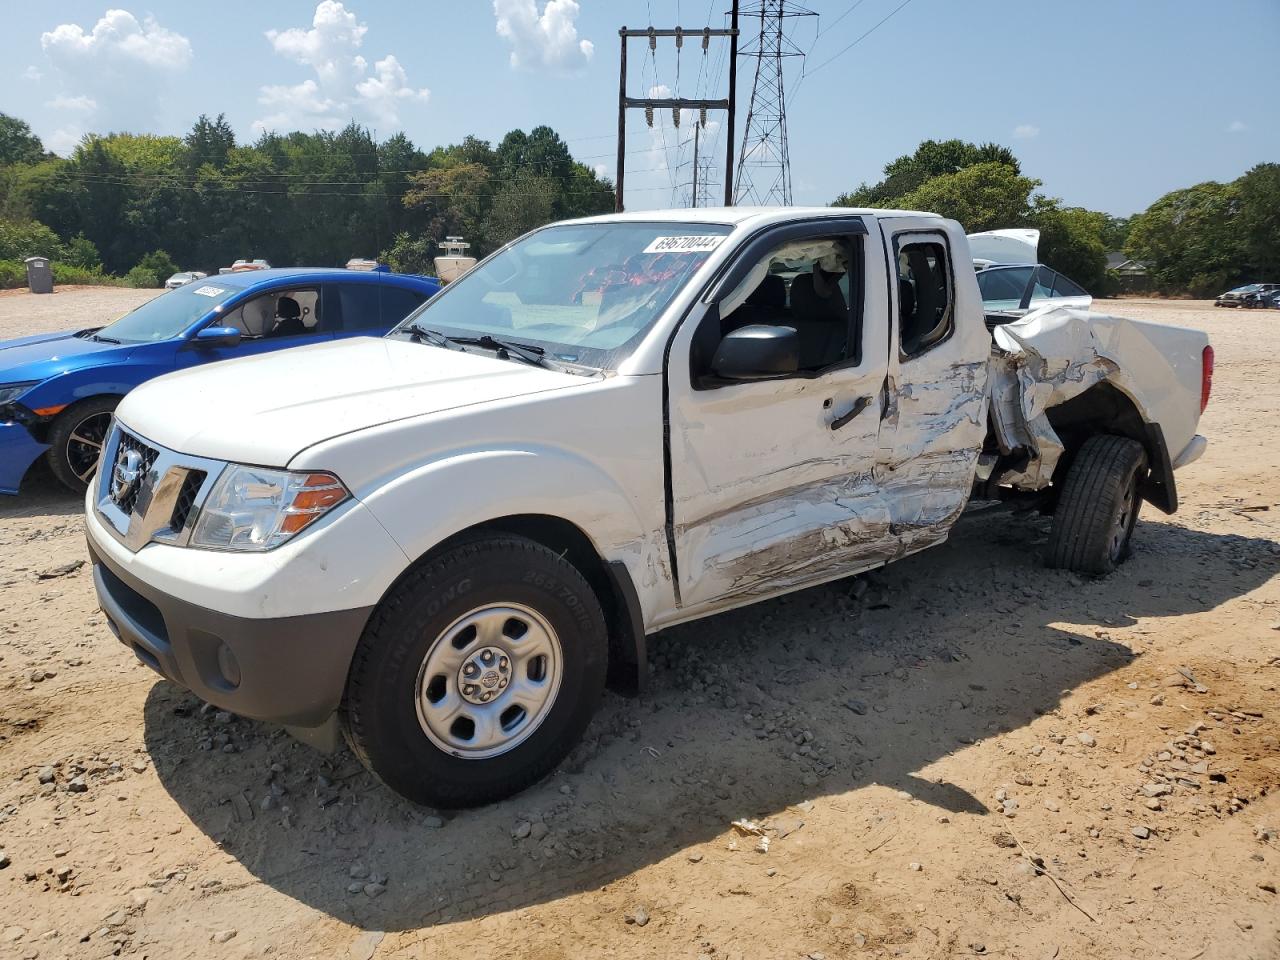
186, 498
133, 461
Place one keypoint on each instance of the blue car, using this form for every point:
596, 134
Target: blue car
58, 390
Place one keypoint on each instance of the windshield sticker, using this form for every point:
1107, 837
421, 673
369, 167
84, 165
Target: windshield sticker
695, 244
208, 291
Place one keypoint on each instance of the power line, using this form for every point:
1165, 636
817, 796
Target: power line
878, 25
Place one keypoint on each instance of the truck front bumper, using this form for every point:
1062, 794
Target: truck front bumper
18, 451
287, 670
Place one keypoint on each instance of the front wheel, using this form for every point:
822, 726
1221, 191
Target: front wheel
477, 674
1098, 507
76, 439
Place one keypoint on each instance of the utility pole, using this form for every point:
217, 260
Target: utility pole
764, 168
733, 107
649, 104
693, 195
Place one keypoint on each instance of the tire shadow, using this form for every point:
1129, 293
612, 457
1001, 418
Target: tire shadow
749, 713
41, 494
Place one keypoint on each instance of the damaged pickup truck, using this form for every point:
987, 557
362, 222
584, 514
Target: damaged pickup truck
443, 543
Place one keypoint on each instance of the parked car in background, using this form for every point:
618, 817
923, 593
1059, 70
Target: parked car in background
1010, 280
58, 390
1260, 298
182, 278
1243, 296
240, 266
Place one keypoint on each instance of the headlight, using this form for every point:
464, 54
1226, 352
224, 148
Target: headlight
252, 508
12, 391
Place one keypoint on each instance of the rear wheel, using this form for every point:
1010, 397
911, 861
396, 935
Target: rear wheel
477, 674
76, 439
1098, 507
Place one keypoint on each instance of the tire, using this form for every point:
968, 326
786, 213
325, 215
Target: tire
1098, 507
76, 432
407, 704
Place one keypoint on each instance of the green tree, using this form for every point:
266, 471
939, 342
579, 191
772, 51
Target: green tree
1071, 240
210, 141
931, 159
410, 254
29, 238
984, 196
1190, 239
521, 205
1259, 193
17, 143
152, 270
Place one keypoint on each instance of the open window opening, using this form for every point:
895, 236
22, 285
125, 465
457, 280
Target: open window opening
811, 285
924, 296
280, 313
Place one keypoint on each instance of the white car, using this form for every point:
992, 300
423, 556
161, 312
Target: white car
444, 542
1010, 280
183, 278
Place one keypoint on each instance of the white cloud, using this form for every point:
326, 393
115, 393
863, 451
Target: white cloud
32, 73
343, 88
1026, 131
549, 39
74, 104
118, 36
1237, 126
111, 75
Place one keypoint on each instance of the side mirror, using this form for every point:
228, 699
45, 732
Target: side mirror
757, 352
218, 337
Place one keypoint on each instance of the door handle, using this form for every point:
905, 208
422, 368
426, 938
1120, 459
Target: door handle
858, 406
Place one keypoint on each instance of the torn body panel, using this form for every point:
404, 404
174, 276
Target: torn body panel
1056, 354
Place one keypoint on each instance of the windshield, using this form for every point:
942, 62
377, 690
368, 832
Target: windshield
585, 293
168, 314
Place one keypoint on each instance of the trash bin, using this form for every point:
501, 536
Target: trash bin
39, 275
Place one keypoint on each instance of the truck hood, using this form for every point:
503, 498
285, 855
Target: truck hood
266, 409
46, 355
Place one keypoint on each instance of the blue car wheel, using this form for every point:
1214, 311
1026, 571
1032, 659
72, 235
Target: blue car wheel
76, 441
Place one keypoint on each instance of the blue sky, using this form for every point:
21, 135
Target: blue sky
1110, 102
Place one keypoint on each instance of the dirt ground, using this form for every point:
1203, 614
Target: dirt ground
962, 755
67, 308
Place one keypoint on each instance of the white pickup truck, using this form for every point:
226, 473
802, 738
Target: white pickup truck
445, 542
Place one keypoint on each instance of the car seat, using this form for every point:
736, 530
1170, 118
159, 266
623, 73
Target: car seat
289, 323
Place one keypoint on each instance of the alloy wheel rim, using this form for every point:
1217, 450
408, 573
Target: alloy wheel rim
489, 680
84, 445
1124, 520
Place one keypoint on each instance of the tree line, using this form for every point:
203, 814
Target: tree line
135, 207
134, 204
1200, 240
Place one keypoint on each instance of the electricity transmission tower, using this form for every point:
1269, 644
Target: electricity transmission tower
764, 165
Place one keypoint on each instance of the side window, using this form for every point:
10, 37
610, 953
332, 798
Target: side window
375, 306
1062, 287
1002, 287
398, 303
812, 285
280, 313
924, 295
1043, 288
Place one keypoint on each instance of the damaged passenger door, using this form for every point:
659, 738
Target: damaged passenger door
772, 469
936, 397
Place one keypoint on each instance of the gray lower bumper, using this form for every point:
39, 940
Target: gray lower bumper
288, 670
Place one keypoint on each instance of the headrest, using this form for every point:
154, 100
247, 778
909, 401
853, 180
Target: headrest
287, 309
771, 292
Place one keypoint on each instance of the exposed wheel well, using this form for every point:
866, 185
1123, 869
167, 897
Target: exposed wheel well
627, 666
1104, 409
